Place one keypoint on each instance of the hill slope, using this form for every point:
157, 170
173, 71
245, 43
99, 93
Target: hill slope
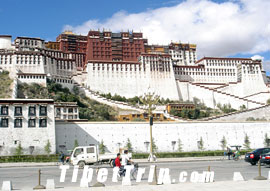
88, 109
5, 85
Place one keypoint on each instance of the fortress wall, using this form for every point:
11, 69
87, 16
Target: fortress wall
165, 135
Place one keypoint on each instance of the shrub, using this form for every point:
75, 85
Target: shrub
76, 144
180, 145
201, 144
246, 142
19, 150
129, 145
102, 147
223, 143
47, 148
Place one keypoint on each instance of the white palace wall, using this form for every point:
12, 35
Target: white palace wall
188, 91
165, 135
130, 80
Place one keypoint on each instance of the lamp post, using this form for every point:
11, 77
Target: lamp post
173, 145
151, 158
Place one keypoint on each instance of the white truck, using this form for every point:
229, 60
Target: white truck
89, 155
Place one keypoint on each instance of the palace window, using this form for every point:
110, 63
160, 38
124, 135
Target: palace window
18, 123
4, 123
18, 111
43, 110
43, 123
32, 111
32, 123
4, 110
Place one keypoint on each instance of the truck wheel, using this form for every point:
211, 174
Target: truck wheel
111, 163
81, 164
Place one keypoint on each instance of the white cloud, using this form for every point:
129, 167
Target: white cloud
219, 29
257, 57
266, 65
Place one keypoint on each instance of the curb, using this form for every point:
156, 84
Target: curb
144, 161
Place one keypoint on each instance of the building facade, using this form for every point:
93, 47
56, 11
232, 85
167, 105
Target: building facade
123, 46
27, 122
153, 72
66, 111
75, 45
124, 64
29, 61
183, 54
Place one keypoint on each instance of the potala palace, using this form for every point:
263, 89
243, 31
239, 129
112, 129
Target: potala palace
125, 64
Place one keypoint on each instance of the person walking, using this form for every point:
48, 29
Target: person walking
62, 157
229, 152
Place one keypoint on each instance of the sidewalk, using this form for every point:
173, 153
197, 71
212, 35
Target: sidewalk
159, 160
252, 185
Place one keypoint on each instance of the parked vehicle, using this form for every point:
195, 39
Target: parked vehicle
89, 155
265, 158
254, 156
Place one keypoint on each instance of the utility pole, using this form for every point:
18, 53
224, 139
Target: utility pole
151, 157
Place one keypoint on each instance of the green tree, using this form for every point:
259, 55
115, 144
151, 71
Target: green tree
102, 147
201, 144
19, 150
155, 148
149, 100
76, 144
247, 142
47, 148
266, 141
223, 143
243, 107
129, 145
76, 90
180, 145
250, 119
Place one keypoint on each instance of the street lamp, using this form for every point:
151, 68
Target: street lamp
151, 157
173, 144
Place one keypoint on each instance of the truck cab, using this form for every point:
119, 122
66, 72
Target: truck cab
84, 155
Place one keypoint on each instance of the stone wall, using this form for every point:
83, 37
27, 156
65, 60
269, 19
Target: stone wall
166, 135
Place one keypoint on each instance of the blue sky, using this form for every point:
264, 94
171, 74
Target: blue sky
48, 18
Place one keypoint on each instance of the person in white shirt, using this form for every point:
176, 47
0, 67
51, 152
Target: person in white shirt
126, 159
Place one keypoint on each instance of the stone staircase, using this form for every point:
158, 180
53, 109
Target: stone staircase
227, 94
121, 105
233, 113
255, 94
116, 104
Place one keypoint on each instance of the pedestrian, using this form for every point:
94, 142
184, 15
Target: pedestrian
117, 162
125, 159
62, 157
229, 152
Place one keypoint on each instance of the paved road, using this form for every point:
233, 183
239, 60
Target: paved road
26, 177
